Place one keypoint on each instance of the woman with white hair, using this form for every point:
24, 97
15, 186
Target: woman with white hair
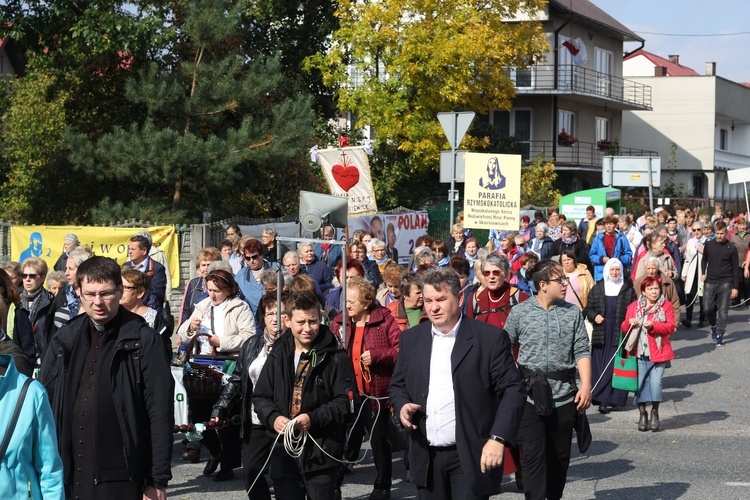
541, 244
67, 302
70, 242
314, 267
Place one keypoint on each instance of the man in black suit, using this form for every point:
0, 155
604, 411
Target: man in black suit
458, 389
138, 249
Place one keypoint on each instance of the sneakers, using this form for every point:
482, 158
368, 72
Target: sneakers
714, 336
719, 340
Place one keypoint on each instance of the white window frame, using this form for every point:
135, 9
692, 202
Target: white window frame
566, 120
603, 128
603, 65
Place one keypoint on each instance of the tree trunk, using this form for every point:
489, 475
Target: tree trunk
176, 198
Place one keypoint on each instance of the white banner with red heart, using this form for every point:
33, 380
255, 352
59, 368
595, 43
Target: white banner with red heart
347, 171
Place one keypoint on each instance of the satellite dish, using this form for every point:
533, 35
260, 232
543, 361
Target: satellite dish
317, 208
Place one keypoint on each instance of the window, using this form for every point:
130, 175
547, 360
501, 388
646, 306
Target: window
697, 185
522, 77
501, 122
602, 129
603, 67
723, 139
566, 120
522, 129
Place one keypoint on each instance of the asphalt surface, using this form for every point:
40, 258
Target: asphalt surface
701, 451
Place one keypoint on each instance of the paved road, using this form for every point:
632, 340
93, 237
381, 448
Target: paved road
701, 452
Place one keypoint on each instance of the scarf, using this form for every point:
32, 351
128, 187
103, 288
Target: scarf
73, 301
640, 334
30, 302
444, 262
269, 338
536, 245
471, 259
381, 261
571, 240
612, 288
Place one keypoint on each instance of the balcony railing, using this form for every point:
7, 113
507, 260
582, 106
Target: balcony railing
580, 154
580, 80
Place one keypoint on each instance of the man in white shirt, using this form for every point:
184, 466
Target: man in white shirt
458, 390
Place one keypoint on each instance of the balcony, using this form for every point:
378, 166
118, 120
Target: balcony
582, 84
579, 156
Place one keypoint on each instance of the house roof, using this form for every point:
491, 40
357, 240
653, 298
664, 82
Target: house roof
587, 11
673, 69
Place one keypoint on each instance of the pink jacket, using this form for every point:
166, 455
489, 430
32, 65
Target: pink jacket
664, 329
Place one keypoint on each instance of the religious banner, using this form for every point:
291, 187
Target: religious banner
492, 191
399, 231
347, 171
46, 243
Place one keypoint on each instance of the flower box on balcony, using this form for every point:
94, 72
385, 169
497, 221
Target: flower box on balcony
604, 145
565, 139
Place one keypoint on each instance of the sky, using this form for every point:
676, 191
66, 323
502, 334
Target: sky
695, 19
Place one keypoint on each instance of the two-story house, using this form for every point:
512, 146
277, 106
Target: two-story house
578, 92
706, 116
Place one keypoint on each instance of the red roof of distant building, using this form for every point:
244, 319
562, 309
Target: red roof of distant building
673, 69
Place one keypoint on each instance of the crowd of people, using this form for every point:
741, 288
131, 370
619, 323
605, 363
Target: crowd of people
484, 356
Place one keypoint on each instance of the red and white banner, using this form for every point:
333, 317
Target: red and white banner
347, 171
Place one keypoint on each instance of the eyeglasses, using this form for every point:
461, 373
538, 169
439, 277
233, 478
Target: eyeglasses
564, 280
251, 257
273, 314
105, 295
697, 229
494, 272
29, 276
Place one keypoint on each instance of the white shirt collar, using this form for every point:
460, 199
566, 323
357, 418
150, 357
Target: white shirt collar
450, 334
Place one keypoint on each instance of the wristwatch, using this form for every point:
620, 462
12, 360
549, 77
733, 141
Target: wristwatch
499, 440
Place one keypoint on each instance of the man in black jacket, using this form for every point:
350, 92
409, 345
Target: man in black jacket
721, 273
308, 380
111, 393
138, 250
458, 390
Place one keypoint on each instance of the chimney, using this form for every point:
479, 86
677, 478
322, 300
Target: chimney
674, 59
710, 68
660, 71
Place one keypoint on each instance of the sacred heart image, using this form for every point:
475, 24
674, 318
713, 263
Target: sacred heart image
345, 173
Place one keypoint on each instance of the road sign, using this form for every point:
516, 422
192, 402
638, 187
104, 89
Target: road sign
738, 175
631, 171
446, 165
455, 125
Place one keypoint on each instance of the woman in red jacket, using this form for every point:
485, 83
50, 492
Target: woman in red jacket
652, 320
372, 338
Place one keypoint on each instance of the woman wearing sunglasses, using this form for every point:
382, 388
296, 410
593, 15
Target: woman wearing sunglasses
492, 305
33, 322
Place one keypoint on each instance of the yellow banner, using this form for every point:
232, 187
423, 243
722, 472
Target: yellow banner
46, 242
492, 191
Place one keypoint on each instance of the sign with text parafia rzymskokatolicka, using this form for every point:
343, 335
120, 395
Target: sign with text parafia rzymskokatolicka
492, 191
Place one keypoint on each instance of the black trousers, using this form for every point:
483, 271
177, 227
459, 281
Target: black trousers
445, 477
381, 449
545, 443
256, 446
290, 483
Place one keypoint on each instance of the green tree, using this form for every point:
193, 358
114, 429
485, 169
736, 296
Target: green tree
217, 126
538, 184
32, 140
397, 64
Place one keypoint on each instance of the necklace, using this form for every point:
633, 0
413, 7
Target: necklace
494, 301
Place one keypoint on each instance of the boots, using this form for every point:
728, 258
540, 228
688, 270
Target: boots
643, 421
654, 423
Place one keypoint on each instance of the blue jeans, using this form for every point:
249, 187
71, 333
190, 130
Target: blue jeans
716, 299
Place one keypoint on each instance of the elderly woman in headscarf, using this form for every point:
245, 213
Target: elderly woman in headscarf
650, 321
607, 304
